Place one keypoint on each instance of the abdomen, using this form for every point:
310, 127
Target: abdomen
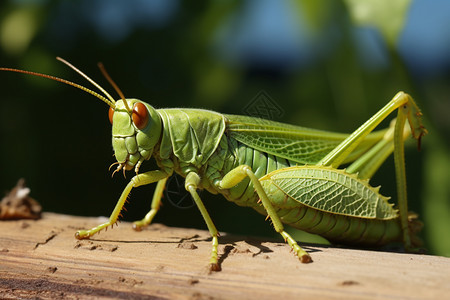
342, 229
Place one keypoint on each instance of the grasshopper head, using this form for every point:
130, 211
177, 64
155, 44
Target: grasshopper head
136, 125
136, 128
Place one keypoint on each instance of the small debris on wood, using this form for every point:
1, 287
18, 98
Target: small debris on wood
89, 245
193, 281
130, 282
241, 250
19, 205
187, 245
349, 282
24, 225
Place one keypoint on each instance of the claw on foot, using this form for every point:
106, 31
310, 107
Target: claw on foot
137, 227
81, 234
215, 267
305, 259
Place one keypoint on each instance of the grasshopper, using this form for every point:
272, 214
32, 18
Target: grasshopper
288, 173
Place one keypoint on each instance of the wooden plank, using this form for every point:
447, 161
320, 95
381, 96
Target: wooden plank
42, 259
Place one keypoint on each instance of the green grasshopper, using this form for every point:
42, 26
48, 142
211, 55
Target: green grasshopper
288, 173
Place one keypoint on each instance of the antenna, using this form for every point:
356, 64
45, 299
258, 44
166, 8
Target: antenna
114, 85
87, 78
111, 102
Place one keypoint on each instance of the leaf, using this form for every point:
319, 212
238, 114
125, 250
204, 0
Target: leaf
386, 15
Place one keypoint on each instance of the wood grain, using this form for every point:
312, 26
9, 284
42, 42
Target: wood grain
42, 259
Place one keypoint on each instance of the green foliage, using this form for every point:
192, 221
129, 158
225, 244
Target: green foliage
387, 16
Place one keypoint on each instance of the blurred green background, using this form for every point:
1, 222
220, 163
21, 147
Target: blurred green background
326, 64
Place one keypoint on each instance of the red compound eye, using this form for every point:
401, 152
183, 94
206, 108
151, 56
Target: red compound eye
110, 114
140, 115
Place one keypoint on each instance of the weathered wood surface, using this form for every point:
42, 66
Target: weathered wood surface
42, 259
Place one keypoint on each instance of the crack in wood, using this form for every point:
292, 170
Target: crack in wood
51, 236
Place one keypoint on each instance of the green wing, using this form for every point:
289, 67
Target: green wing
330, 190
299, 144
